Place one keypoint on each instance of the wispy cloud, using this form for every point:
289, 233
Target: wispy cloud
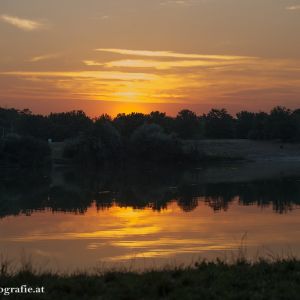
92, 63
243, 78
23, 24
163, 60
122, 76
164, 65
169, 54
293, 7
180, 2
101, 17
145, 76
44, 57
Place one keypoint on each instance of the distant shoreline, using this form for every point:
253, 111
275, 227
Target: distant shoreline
250, 150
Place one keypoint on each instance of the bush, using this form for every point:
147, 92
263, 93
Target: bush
219, 124
24, 151
98, 147
150, 142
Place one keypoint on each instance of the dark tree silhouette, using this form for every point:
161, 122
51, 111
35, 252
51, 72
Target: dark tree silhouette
244, 124
280, 124
150, 143
126, 124
258, 131
24, 152
219, 124
68, 125
296, 120
115, 139
161, 119
187, 124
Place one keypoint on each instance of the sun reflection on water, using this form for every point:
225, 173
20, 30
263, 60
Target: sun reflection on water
120, 234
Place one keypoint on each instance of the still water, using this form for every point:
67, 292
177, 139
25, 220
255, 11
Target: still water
147, 219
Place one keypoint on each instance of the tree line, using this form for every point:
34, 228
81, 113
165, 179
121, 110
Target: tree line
153, 137
281, 123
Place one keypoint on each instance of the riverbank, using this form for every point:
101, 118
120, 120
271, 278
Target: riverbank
223, 150
250, 150
241, 280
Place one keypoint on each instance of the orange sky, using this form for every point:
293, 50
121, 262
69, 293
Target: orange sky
137, 55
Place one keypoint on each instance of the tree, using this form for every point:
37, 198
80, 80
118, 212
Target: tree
111, 139
156, 117
104, 118
219, 124
296, 121
68, 125
24, 151
37, 126
258, 131
187, 124
9, 118
127, 123
150, 143
100, 146
244, 124
280, 124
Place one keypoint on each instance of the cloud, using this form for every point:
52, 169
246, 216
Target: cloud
101, 17
155, 60
43, 57
91, 63
165, 65
180, 2
122, 76
169, 54
140, 76
293, 7
23, 24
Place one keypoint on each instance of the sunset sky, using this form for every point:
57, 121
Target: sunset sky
140, 55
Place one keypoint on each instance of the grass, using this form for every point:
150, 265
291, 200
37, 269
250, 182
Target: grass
241, 280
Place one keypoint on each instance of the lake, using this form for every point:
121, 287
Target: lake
143, 218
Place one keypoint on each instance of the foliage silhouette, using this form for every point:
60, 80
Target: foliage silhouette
155, 136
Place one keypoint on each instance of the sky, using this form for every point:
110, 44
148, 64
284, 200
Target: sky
139, 55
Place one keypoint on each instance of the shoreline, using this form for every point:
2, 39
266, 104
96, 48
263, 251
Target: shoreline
276, 279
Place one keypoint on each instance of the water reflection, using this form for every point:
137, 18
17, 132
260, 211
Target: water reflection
146, 237
73, 219
74, 191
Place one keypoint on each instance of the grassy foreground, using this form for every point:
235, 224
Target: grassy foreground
242, 280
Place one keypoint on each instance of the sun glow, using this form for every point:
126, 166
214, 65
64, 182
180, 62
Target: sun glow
158, 77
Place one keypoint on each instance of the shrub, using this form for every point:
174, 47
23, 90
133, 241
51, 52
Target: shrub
150, 142
98, 147
24, 151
